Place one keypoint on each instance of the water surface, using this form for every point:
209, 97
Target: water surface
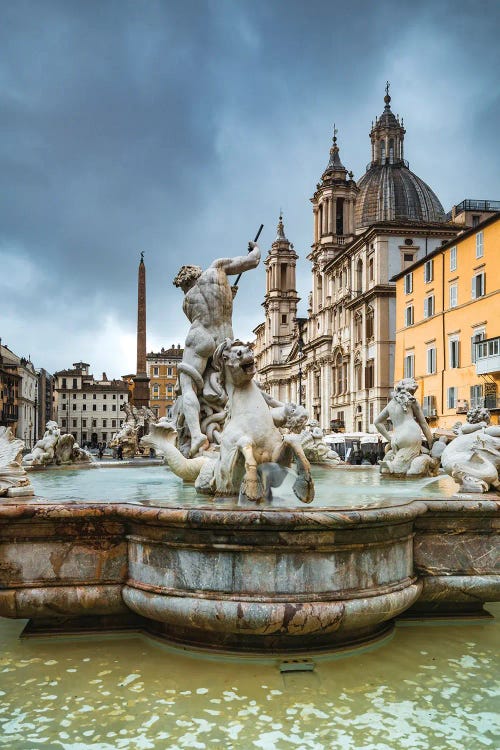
153, 485
428, 687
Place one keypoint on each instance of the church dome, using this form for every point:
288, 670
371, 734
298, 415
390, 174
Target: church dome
389, 191
392, 192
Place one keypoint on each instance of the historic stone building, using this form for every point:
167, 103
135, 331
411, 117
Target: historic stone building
89, 409
339, 361
162, 373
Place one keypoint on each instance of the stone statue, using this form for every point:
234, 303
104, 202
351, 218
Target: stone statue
44, 451
126, 436
55, 448
14, 481
208, 305
405, 455
251, 442
137, 423
473, 457
315, 448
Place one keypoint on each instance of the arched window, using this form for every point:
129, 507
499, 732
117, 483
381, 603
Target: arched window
370, 269
382, 152
359, 276
369, 323
358, 328
358, 374
391, 151
339, 374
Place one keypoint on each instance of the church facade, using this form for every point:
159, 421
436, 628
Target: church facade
339, 361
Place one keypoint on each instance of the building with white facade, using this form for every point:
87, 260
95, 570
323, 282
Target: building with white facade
89, 409
339, 360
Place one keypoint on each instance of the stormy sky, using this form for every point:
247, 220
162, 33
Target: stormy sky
177, 128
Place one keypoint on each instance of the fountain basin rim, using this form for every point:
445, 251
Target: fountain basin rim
196, 517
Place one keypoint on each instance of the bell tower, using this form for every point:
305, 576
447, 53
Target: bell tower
280, 302
334, 202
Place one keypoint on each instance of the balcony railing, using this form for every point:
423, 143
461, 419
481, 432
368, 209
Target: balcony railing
488, 356
9, 413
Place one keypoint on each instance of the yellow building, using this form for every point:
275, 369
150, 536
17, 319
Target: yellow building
448, 325
162, 373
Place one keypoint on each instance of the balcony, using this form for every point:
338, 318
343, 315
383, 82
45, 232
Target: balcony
488, 356
9, 413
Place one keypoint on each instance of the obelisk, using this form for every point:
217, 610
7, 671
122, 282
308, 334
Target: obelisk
141, 380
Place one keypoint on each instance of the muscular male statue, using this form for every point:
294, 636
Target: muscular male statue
208, 305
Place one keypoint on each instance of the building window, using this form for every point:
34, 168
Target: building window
63, 385
370, 269
104, 436
74, 407
104, 423
63, 423
479, 285
476, 397
113, 423
64, 407
453, 259
74, 396
75, 383
156, 391
479, 336
428, 271
409, 315
114, 396
64, 395
429, 306
104, 407
431, 360
94, 423
84, 422
169, 372
409, 366
75, 422
409, 283
84, 407
113, 408
84, 396
104, 396
283, 319
454, 345
94, 396
369, 323
121, 396
452, 398
479, 245
369, 375
453, 295
94, 407
156, 372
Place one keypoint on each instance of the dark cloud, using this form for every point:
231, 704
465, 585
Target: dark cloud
177, 128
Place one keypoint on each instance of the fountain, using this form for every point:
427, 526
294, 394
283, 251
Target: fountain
235, 553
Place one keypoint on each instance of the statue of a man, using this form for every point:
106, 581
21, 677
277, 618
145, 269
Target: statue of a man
208, 305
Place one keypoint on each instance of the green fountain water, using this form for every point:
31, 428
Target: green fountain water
429, 687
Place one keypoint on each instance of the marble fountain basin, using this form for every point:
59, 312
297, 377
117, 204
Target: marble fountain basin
149, 554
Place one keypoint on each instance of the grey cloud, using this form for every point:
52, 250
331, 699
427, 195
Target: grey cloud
176, 128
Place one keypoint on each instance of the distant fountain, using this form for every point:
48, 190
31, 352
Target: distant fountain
56, 448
